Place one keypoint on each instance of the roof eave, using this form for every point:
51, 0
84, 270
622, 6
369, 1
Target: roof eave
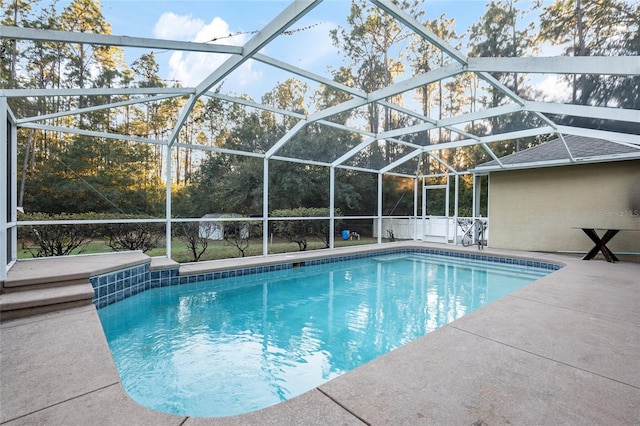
555, 163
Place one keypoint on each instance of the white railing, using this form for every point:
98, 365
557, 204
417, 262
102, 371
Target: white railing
436, 229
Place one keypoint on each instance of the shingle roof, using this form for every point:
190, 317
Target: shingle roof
554, 151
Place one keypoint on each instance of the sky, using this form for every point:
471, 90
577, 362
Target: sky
309, 47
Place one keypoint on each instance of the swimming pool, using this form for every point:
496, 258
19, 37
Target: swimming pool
231, 346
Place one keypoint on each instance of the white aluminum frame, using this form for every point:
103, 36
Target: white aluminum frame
237, 55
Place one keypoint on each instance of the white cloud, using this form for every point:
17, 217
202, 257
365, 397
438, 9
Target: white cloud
554, 89
190, 68
174, 27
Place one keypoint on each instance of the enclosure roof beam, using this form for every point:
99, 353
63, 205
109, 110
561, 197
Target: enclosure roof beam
617, 114
338, 86
353, 151
405, 143
479, 115
314, 77
12, 116
501, 87
421, 30
406, 130
280, 23
93, 133
517, 134
27, 93
221, 150
301, 161
441, 161
357, 169
291, 14
514, 96
625, 138
37, 34
402, 175
256, 105
415, 82
346, 128
286, 138
492, 154
394, 89
425, 119
93, 108
491, 138
401, 161
337, 109
609, 65
447, 122
566, 147
309, 75
405, 111
333, 84
395, 11
448, 145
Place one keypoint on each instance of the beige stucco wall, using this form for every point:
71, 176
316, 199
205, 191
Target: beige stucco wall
536, 209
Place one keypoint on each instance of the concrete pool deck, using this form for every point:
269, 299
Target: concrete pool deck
562, 350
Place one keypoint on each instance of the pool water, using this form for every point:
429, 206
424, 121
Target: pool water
220, 348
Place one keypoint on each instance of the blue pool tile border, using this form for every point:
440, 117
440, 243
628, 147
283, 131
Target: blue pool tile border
114, 286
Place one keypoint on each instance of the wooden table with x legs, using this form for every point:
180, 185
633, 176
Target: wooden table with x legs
601, 243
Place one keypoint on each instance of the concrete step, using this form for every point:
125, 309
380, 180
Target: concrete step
67, 270
13, 286
27, 302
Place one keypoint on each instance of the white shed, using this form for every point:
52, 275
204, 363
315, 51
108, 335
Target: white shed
215, 230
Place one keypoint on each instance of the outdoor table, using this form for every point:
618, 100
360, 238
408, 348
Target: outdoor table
601, 243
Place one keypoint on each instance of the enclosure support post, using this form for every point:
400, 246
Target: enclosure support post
379, 208
4, 163
415, 208
167, 152
424, 209
8, 200
332, 205
455, 209
447, 212
265, 208
476, 196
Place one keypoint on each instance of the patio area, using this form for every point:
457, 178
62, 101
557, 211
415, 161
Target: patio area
562, 350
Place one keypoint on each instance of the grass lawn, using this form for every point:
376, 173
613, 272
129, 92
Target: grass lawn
215, 249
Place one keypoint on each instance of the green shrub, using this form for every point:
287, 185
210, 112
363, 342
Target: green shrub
297, 231
189, 233
62, 239
57, 240
142, 236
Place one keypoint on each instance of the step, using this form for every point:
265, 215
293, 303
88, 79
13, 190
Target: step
19, 304
15, 286
67, 270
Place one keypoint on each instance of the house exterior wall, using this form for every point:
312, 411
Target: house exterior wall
537, 209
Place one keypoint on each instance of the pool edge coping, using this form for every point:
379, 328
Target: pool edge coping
574, 262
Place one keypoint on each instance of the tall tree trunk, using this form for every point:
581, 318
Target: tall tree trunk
178, 170
14, 50
581, 81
